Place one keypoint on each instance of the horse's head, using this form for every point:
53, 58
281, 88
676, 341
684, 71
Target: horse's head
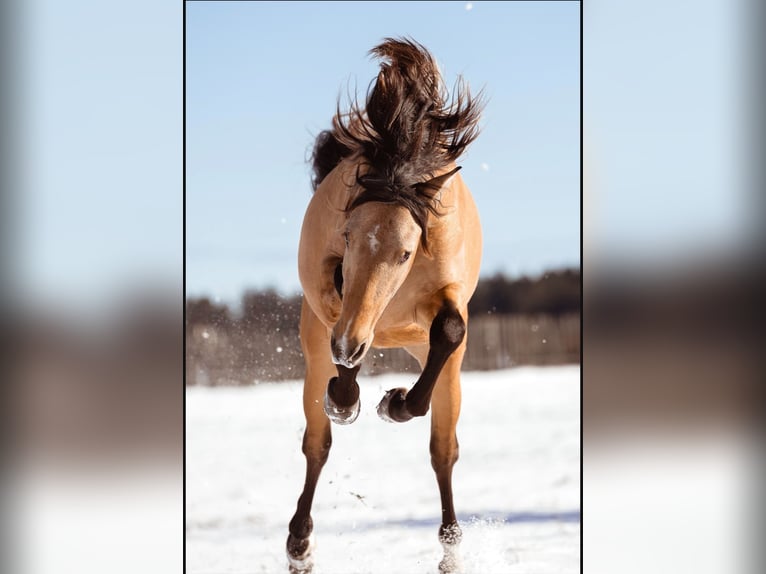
381, 241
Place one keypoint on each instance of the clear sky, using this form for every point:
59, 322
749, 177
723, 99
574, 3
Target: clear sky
666, 174
263, 79
97, 202
97, 208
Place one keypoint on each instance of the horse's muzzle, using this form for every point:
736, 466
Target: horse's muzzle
341, 354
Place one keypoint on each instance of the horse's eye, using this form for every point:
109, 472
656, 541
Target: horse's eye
345, 237
405, 256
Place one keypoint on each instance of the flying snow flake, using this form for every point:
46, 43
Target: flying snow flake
279, 349
484, 166
283, 220
205, 334
545, 341
469, 6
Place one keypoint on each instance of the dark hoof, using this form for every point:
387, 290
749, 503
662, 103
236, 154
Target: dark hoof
393, 408
340, 415
299, 554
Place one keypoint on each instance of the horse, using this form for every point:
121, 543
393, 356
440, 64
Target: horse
389, 256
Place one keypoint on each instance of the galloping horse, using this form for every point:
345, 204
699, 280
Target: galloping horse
389, 256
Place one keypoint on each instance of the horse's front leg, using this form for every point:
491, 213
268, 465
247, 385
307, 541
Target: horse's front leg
445, 409
315, 342
445, 337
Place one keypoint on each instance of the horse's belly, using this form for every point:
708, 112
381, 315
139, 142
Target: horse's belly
402, 336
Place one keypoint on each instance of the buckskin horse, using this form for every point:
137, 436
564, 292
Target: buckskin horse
389, 256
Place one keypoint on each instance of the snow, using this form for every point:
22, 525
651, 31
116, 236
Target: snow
516, 485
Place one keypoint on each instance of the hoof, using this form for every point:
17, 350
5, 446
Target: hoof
450, 537
300, 554
392, 407
341, 415
451, 563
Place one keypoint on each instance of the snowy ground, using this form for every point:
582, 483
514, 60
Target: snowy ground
516, 485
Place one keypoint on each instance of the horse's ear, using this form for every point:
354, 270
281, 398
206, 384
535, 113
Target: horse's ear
433, 185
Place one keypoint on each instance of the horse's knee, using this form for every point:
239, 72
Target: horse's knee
447, 329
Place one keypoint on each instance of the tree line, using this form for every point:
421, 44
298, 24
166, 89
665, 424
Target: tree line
512, 322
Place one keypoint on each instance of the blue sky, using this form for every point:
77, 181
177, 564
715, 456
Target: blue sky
97, 143
97, 208
665, 129
263, 78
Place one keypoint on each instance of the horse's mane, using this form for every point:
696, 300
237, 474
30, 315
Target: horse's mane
408, 130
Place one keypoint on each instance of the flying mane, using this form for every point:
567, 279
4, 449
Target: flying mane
408, 130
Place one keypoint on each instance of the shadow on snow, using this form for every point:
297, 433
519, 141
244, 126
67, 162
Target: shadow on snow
497, 518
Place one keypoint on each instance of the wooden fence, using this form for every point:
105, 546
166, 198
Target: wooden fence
216, 357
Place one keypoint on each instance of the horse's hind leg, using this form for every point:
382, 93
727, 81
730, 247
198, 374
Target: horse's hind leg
445, 409
315, 342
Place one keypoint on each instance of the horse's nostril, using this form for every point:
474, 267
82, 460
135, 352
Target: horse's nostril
358, 353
